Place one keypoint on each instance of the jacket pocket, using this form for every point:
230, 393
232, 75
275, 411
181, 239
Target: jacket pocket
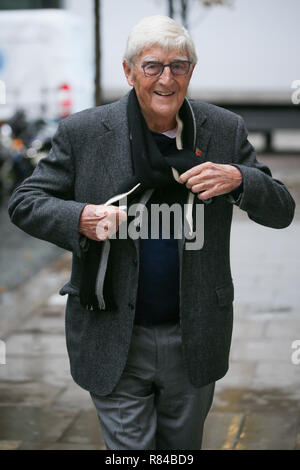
225, 294
69, 288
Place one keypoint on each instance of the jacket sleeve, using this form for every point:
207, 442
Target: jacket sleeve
265, 199
43, 205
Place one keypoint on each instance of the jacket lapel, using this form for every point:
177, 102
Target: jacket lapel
202, 143
203, 136
114, 146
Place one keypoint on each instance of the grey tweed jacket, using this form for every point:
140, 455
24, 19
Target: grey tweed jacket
89, 159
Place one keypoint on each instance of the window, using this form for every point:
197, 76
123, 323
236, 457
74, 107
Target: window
28, 4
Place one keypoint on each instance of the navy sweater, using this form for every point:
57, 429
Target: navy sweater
158, 287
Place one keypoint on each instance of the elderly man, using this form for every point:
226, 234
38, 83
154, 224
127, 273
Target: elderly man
148, 321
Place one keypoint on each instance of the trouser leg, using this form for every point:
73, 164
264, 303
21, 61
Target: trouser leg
181, 408
127, 415
180, 420
127, 422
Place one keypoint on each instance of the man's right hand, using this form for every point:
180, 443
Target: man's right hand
100, 222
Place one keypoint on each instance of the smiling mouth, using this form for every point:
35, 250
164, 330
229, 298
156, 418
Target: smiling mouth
162, 93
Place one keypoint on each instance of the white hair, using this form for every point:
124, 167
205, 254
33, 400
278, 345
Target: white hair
162, 31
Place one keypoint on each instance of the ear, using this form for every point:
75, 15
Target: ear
128, 72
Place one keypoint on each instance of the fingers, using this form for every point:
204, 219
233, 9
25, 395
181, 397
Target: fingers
111, 212
109, 224
103, 211
105, 229
200, 179
211, 179
206, 195
196, 188
196, 170
100, 222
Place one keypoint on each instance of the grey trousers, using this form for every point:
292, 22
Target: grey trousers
154, 406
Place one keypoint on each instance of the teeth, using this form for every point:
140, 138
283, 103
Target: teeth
164, 94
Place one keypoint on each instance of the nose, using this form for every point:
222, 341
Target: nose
166, 76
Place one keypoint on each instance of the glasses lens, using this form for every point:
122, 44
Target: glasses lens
153, 68
180, 67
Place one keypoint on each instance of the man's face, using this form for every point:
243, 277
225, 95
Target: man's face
161, 97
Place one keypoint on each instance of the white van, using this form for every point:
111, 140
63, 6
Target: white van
46, 63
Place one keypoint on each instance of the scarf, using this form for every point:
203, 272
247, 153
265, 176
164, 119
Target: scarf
151, 170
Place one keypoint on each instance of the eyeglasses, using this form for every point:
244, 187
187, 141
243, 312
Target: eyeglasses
155, 69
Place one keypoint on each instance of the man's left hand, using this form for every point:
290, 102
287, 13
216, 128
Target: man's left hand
211, 179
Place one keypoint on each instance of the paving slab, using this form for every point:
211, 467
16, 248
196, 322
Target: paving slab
58, 446
272, 431
221, 431
73, 398
84, 430
36, 394
254, 350
50, 369
240, 374
35, 344
247, 328
281, 328
49, 322
22, 255
25, 423
20, 303
283, 375
264, 271
247, 399
10, 445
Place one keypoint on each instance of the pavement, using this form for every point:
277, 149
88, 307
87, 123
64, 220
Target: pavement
257, 403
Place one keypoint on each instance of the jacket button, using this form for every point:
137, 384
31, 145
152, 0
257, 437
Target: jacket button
135, 262
131, 305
